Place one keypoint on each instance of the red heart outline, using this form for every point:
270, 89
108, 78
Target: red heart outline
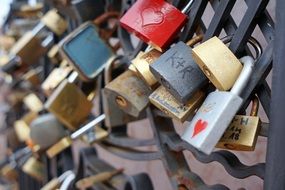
199, 127
150, 16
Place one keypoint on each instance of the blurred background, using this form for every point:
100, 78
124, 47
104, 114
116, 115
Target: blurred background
212, 173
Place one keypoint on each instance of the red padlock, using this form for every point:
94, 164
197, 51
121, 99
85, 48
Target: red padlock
156, 22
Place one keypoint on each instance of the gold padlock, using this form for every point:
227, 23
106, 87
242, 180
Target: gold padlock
28, 48
22, 128
69, 104
164, 101
142, 62
34, 168
242, 133
33, 103
218, 63
27, 10
9, 172
55, 22
129, 92
67, 141
56, 76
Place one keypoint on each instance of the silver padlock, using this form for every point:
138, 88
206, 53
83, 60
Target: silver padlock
217, 112
46, 130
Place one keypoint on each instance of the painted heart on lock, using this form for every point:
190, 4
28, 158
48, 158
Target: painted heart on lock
199, 127
150, 16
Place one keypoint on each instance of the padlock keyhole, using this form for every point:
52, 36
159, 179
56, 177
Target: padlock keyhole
121, 101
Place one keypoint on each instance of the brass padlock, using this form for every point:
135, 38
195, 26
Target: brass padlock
34, 168
28, 48
129, 92
67, 141
88, 182
242, 133
164, 101
54, 22
218, 63
56, 76
32, 102
142, 62
9, 172
69, 104
22, 128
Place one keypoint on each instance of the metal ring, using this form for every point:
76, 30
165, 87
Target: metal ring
252, 41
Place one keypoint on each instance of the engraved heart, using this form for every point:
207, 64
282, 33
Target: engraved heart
199, 127
151, 16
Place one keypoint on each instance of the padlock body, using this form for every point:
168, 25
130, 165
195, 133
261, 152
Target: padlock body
211, 120
130, 93
164, 101
114, 115
46, 126
178, 73
86, 51
69, 104
28, 48
218, 63
142, 63
241, 134
155, 22
34, 168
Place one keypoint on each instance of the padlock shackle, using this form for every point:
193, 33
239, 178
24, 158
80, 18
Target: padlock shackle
252, 41
255, 106
63, 176
195, 40
186, 9
241, 82
87, 127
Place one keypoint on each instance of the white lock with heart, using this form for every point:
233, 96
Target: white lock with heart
217, 112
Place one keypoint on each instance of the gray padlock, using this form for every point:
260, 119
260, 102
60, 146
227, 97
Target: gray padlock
129, 92
217, 112
46, 130
178, 73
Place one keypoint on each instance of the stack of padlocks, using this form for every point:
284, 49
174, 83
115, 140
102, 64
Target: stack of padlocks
198, 82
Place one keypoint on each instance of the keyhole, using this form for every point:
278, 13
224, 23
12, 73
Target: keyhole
121, 101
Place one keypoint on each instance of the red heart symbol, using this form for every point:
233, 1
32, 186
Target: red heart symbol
151, 17
199, 127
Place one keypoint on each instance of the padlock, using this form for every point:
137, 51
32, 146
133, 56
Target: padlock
142, 63
114, 115
217, 112
45, 130
34, 168
69, 104
85, 49
129, 92
178, 73
56, 76
221, 66
164, 101
27, 10
67, 141
9, 172
88, 182
54, 184
155, 22
22, 127
32, 102
242, 133
54, 22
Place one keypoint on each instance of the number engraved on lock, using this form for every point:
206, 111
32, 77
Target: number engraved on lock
178, 63
150, 16
199, 127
